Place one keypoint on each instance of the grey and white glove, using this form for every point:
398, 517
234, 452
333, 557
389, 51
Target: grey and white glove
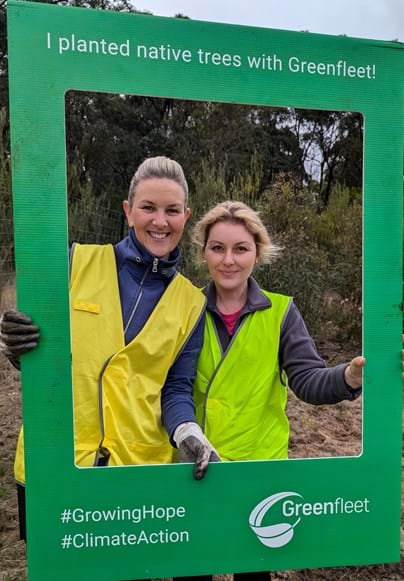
193, 446
18, 335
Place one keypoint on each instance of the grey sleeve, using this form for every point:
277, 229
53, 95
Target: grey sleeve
308, 376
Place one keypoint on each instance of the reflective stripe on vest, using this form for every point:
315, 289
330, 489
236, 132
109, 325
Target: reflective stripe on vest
117, 388
239, 396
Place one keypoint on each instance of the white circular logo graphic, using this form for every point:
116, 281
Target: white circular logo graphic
277, 535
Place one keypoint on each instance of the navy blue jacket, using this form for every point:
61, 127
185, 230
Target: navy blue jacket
142, 279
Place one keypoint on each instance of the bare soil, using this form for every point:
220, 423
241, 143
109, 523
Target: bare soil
315, 431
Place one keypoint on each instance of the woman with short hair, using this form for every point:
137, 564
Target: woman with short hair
137, 328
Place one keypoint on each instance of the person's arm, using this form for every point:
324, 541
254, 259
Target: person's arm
308, 376
178, 409
177, 404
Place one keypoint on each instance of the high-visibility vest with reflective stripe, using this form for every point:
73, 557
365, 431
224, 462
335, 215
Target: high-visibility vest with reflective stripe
239, 395
117, 387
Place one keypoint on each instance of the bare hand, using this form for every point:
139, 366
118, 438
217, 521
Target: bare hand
353, 373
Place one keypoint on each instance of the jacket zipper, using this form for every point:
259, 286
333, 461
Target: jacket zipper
138, 298
205, 398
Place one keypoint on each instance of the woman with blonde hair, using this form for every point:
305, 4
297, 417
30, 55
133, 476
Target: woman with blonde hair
133, 364
255, 344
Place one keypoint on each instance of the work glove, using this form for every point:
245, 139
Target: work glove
193, 446
18, 335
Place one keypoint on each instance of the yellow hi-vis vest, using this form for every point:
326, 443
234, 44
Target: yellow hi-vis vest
239, 396
117, 387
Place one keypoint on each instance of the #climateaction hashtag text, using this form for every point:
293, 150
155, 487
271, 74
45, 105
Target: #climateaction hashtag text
122, 539
79, 47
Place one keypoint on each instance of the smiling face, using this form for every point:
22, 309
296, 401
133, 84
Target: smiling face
231, 254
158, 215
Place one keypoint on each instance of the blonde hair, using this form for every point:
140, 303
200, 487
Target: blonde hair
158, 167
236, 213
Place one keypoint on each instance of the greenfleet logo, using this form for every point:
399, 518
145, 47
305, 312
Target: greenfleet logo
276, 535
281, 533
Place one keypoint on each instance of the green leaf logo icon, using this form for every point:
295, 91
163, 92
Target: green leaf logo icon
276, 535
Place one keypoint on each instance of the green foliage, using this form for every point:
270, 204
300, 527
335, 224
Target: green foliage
92, 220
321, 262
109, 135
338, 229
301, 270
213, 183
331, 144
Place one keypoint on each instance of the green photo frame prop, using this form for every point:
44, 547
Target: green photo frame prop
156, 521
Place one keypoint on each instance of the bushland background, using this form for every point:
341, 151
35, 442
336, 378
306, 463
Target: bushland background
302, 169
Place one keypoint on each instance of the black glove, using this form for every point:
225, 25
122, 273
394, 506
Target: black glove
18, 335
193, 446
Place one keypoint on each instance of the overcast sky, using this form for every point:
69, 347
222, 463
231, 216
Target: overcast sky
381, 19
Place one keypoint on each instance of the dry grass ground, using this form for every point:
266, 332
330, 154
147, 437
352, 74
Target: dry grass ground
316, 431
